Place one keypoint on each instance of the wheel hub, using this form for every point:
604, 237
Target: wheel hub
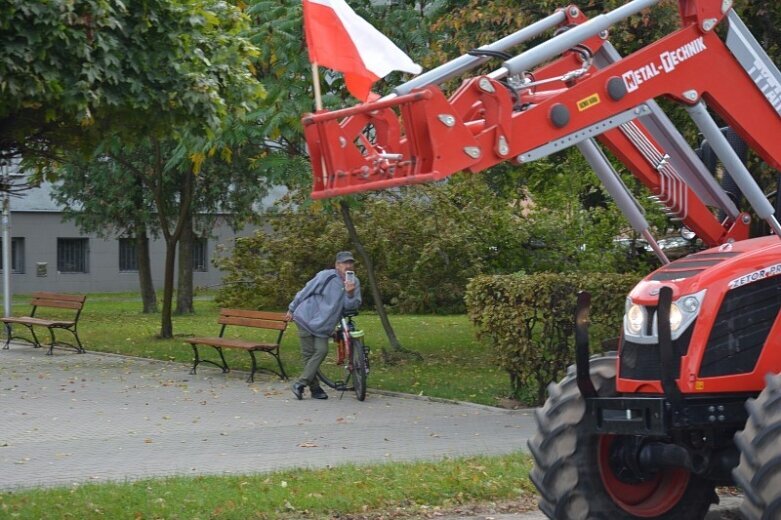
637, 491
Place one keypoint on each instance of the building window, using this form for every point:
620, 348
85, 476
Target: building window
128, 261
17, 255
73, 255
200, 254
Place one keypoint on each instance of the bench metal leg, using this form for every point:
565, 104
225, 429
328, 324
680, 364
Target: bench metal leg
225, 368
10, 336
78, 347
36, 342
197, 360
7, 336
251, 378
255, 368
51, 346
279, 362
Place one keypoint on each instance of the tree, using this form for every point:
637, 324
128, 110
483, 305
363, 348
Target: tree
75, 72
107, 199
109, 83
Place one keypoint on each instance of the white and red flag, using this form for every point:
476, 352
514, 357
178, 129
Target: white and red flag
341, 40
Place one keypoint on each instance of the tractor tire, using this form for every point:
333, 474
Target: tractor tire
759, 470
572, 469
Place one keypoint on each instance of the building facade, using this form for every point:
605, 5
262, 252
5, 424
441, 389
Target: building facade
50, 254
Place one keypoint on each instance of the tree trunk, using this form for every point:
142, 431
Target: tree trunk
171, 237
148, 294
166, 323
184, 293
378, 304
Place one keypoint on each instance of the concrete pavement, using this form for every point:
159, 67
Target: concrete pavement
72, 418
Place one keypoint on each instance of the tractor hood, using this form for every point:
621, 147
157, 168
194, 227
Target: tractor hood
716, 270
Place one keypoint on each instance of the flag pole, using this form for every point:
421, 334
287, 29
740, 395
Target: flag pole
316, 83
319, 106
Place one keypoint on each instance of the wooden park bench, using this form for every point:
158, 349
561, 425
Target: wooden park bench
243, 318
49, 300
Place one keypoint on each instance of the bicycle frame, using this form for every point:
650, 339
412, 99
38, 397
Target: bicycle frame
352, 359
344, 341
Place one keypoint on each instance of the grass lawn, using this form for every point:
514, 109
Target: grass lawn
454, 366
393, 490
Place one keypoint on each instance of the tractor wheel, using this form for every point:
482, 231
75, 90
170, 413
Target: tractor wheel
759, 471
576, 476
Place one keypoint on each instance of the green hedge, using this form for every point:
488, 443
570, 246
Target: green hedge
529, 320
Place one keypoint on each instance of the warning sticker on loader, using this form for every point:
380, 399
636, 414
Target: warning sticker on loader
760, 274
588, 102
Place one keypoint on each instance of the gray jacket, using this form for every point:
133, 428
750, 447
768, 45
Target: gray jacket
319, 305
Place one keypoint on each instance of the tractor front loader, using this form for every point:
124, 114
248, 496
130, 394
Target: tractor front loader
692, 398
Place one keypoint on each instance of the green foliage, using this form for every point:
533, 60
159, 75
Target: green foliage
265, 271
425, 241
75, 71
529, 321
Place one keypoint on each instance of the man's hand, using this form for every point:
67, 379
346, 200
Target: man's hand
349, 287
288, 316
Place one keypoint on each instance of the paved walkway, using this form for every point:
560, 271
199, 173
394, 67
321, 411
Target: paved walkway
73, 418
69, 418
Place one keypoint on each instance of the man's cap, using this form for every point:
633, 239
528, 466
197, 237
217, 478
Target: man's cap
344, 256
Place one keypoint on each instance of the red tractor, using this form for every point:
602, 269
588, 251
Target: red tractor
692, 398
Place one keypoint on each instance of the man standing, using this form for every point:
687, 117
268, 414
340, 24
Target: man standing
316, 310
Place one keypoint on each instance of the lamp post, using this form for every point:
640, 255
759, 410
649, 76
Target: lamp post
6, 242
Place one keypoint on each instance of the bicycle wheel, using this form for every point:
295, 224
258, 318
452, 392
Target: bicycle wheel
334, 375
359, 369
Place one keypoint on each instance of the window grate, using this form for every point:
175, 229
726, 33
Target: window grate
128, 261
200, 254
17, 255
73, 255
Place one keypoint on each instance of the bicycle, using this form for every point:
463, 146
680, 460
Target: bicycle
346, 367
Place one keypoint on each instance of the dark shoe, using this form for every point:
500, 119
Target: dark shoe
319, 393
298, 390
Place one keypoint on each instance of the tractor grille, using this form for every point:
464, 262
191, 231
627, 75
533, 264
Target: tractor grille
642, 362
741, 328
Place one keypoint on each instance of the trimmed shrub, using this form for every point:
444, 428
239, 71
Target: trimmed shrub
529, 321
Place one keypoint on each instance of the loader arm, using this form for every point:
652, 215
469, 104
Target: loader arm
573, 90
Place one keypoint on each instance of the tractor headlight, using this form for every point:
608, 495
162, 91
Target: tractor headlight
635, 318
683, 312
690, 304
676, 317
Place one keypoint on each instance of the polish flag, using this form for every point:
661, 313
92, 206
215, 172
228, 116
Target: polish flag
341, 40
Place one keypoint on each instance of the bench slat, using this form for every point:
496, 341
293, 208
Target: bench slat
248, 322
38, 321
260, 315
232, 343
60, 304
45, 295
